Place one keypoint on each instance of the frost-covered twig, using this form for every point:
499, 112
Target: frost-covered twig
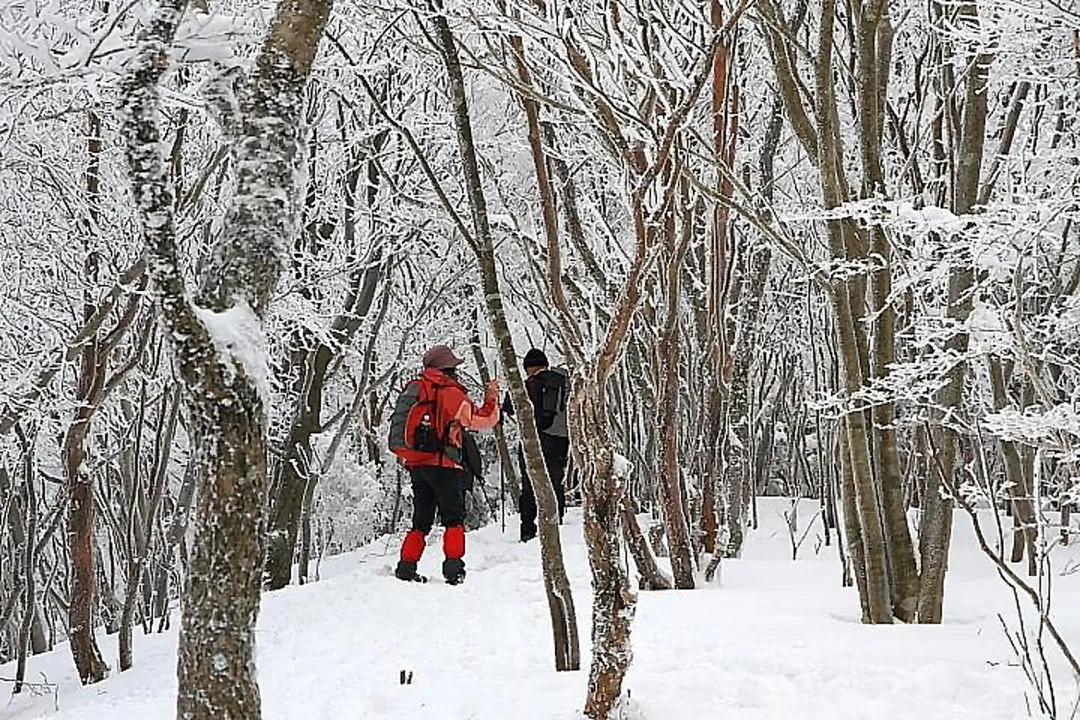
1019, 585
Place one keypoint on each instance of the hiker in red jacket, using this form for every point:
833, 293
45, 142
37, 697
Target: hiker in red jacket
426, 433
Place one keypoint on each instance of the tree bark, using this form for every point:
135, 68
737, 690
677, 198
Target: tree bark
29, 558
88, 660
874, 56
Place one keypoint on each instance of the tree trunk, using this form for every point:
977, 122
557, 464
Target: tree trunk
1025, 525
651, 577
507, 466
667, 406
936, 527
841, 242
142, 548
875, 53
29, 558
556, 583
717, 495
297, 478
614, 604
218, 339
88, 660
852, 528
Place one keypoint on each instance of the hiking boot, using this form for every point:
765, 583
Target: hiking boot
453, 571
407, 571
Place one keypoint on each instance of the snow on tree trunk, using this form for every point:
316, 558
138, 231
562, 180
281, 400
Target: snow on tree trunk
614, 603
218, 340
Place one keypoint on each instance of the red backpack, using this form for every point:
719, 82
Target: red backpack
414, 434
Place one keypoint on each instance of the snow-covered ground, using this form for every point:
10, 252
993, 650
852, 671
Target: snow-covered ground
774, 639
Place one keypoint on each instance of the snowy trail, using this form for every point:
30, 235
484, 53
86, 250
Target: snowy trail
778, 639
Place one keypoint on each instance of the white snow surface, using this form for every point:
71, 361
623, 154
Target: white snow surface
238, 336
778, 640
621, 467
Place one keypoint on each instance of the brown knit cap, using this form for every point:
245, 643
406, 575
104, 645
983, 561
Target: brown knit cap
441, 357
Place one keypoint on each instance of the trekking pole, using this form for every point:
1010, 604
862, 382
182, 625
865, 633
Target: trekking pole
502, 470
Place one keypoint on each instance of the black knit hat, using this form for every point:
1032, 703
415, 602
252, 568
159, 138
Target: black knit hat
534, 358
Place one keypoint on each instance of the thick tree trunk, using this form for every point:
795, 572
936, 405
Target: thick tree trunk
218, 339
556, 583
871, 540
614, 604
867, 547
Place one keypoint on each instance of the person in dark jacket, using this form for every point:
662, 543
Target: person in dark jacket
548, 389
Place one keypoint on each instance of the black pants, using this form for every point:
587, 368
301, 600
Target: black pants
556, 451
437, 488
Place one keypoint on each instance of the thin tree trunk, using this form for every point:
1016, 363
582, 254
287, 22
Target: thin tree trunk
670, 484
651, 576
29, 558
716, 500
936, 528
556, 583
506, 463
613, 602
88, 660
1025, 526
141, 551
297, 478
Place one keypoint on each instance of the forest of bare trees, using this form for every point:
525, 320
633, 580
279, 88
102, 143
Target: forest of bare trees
824, 250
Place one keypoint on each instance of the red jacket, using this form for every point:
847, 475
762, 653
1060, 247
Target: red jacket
457, 411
